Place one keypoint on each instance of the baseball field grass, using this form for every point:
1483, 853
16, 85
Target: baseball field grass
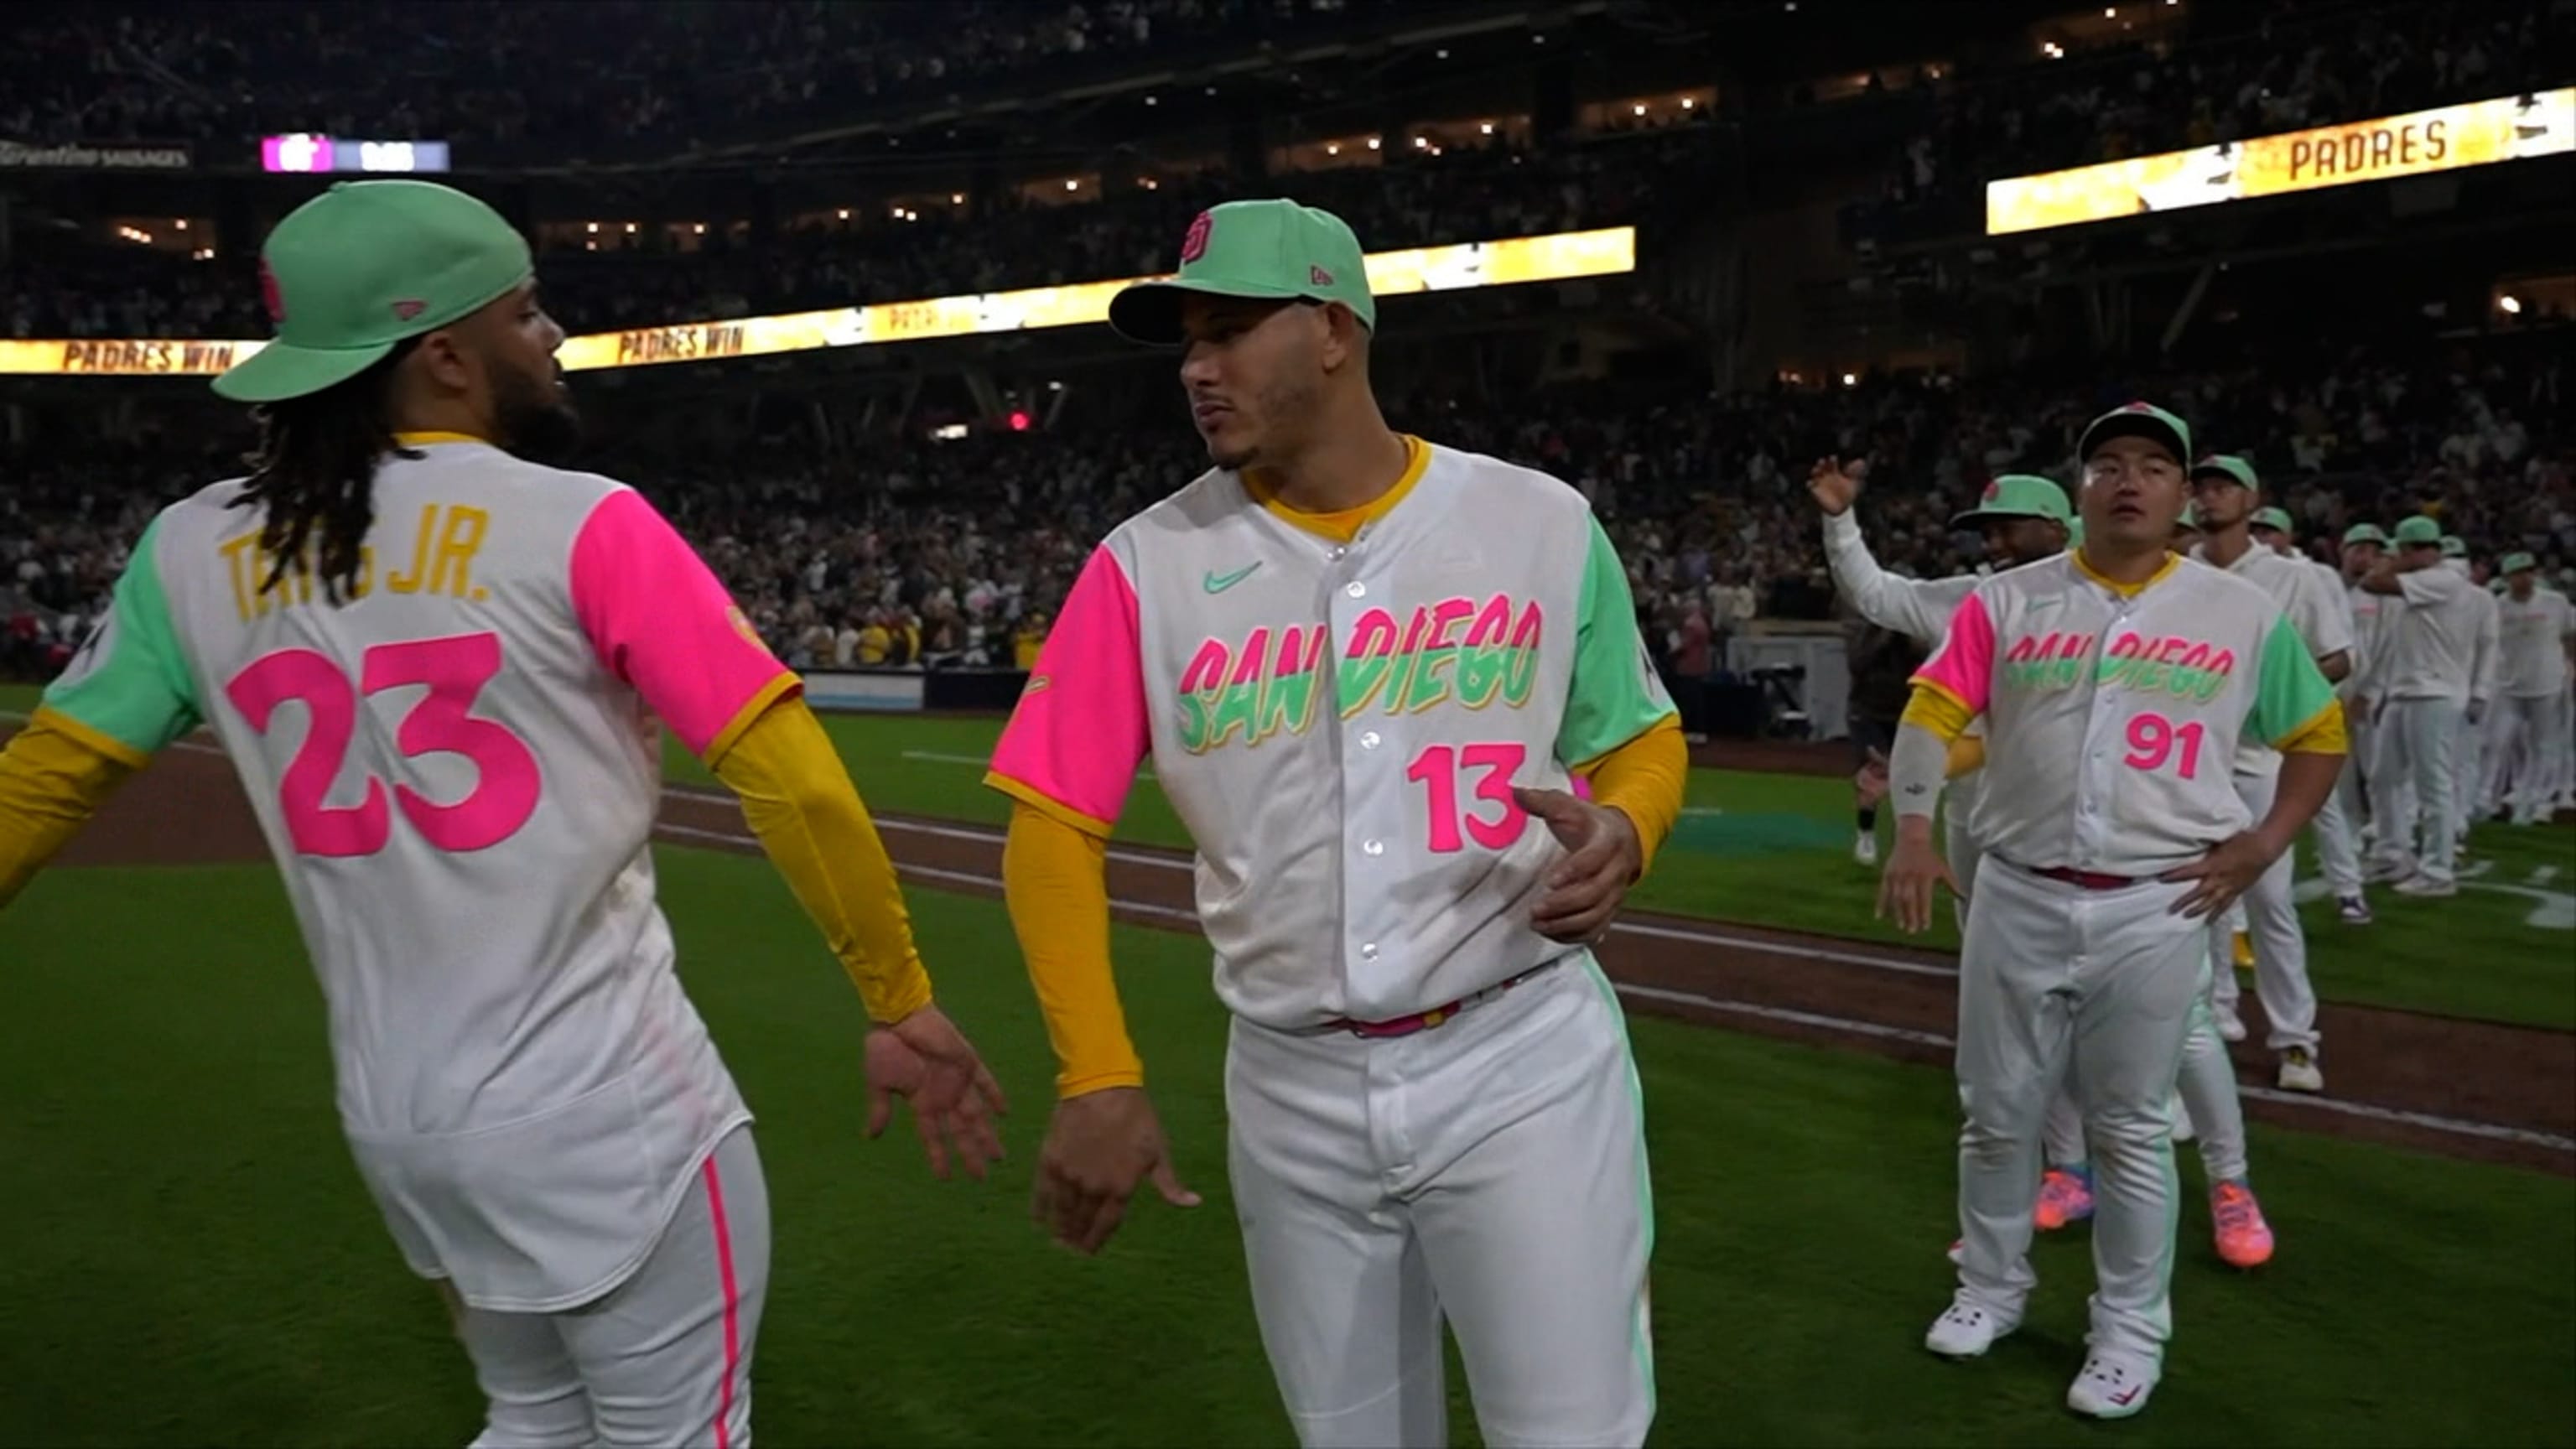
193, 1261
1775, 850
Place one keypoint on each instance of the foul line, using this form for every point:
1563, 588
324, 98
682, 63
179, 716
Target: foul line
2489, 1131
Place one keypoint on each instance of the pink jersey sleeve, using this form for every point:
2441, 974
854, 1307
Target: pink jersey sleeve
659, 620
1080, 729
1964, 666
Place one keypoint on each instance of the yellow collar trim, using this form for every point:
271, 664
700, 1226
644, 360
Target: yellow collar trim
423, 440
2127, 591
1342, 525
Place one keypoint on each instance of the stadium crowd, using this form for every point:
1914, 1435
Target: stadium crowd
951, 554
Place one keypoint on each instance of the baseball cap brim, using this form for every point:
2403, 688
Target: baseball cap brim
2152, 424
282, 370
1150, 312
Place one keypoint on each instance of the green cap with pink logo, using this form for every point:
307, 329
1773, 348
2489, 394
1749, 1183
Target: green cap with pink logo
364, 267
1272, 251
2136, 420
2017, 495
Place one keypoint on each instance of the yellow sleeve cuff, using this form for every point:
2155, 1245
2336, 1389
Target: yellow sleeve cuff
2321, 734
798, 799
1936, 709
53, 777
1047, 805
1056, 885
772, 692
1645, 779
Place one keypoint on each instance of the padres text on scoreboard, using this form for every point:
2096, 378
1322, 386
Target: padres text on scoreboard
1510, 261
2445, 138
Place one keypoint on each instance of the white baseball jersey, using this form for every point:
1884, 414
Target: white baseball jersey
458, 777
1340, 725
2116, 714
2374, 632
1919, 609
2314, 608
2532, 644
2433, 648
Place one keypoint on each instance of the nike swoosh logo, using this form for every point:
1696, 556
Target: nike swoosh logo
2131, 1397
1217, 583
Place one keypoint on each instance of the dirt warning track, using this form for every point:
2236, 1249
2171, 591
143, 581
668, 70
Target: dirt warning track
2478, 1090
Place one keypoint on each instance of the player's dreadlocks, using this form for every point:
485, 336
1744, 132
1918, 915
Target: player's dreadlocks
315, 473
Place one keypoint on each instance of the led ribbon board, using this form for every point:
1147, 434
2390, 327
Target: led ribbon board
1460, 267
2446, 138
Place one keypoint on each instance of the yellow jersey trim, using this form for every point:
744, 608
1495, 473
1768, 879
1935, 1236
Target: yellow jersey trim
1047, 805
1342, 525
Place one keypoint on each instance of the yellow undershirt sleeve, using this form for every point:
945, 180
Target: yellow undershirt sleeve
1645, 778
2323, 734
1936, 709
797, 797
1967, 755
51, 782
1055, 880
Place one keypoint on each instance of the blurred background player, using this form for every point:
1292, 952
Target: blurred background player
2431, 688
2336, 831
2225, 491
2530, 737
2373, 616
2468, 757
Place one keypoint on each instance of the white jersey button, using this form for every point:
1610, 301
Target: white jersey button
1370, 740
1356, 590
1338, 551
1368, 950
1374, 847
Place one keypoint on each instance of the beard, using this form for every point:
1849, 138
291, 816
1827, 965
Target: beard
536, 421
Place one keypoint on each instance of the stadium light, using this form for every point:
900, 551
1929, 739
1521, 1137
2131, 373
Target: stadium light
1073, 186
1641, 108
2511, 304
180, 222
957, 198
845, 213
630, 228
1421, 143
1332, 148
1851, 379
594, 228
1019, 421
1486, 127
1373, 143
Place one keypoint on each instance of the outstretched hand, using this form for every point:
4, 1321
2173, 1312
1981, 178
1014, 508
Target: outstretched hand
1835, 483
1603, 858
926, 1061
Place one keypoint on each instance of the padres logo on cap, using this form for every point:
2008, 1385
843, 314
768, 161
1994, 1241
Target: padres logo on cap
1194, 244
269, 296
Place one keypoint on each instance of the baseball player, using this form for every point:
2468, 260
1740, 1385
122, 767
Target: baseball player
2338, 843
2468, 757
2527, 745
2431, 683
2024, 518
2115, 683
431, 661
2373, 619
2224, 492
1367, 668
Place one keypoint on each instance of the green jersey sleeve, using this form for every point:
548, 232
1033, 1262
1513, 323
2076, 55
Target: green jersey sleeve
1616, 695
2289, 689
128, 686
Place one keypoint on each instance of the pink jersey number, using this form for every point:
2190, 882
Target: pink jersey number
455, 669
2153, 739
1436, 770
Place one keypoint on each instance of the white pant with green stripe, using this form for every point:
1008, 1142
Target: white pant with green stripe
1489, 1173
2059, 983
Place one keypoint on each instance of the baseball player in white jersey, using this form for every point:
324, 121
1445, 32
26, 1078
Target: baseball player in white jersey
431, 662
2024, 518
2374, 617
2468, 757
2224, 493
2529, 740
2116, 683
1366, 669
2430, 685
2337, 829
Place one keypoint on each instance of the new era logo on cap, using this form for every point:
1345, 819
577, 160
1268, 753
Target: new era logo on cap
406, 310
1317, 277
1194, 243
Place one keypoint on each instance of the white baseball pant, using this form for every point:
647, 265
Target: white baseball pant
2337, 833
2280, 945
2525, 738
2468, 757
2059, 982
2208, 1086
664, 1358
1490, 1172
2411, 795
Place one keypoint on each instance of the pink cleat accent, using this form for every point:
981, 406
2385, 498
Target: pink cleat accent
2244, 1239
2063, 1198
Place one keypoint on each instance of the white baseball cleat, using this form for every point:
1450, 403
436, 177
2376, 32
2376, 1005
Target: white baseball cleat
1966, 1330
2231, 1027
2354, 910
2387, 873
2112, 1386
2300, 1072
2426, 888
1865, 847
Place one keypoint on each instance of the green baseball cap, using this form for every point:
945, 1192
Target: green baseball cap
2075, 532
2018, 495
1264, 250
2366, 533
364, 266
2453, 546
2418, 529
2190, 518
2227, 465
2136, 420
2515, 563
2276, 519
